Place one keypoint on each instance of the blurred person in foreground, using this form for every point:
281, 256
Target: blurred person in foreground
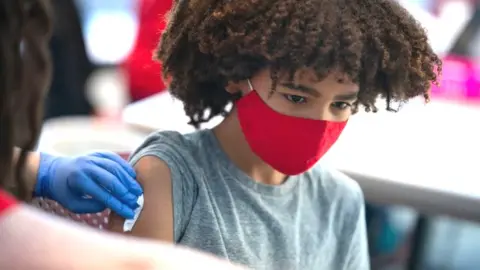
82, 184
30, 239
254, 188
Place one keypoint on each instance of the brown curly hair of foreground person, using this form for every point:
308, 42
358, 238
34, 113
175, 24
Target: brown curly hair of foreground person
376, 43
24, 77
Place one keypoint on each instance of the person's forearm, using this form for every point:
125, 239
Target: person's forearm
52, 243
31, 168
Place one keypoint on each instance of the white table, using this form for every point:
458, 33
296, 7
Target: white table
81, 135
425, 156
161, 112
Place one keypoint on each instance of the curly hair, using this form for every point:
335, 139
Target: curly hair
24, 77
376, 43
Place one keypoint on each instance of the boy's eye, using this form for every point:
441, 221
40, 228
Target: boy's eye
295, 99
341, 105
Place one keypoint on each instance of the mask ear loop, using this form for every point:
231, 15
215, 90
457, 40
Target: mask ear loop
250, 85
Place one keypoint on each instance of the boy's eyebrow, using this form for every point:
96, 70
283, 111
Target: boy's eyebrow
348, 96
301, 88
309, 90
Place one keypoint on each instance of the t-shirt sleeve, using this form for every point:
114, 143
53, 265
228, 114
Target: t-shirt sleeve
173, 149
6, 202
357, 255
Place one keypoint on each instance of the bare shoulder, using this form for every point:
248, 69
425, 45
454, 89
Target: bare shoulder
149, 166
167, 168
156, 218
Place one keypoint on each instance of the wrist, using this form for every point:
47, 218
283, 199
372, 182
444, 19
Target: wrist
46, 163
31, 170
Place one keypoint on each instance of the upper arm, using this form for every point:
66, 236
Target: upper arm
167, 172
156, 218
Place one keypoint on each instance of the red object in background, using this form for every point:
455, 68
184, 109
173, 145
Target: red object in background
144, 73
6, 201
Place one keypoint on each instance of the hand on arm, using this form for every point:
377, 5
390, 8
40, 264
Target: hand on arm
156, 219
85, 184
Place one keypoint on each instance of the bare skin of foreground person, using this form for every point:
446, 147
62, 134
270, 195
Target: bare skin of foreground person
57, 244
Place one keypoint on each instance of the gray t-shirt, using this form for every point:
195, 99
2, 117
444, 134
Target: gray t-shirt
313, 221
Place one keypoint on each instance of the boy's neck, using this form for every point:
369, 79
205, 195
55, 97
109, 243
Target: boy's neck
233, 143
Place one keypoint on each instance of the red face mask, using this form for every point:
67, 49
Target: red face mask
291, 145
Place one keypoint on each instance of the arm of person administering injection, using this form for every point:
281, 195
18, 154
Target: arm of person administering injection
155, 221
64, 245
83, 184
32, 164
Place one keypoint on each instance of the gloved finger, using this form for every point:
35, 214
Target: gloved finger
101, 195
87, 206
132, 184
111, 183
118, 159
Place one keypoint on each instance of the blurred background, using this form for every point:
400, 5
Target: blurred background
422, 192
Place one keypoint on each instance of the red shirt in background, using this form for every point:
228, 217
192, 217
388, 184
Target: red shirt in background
144, 73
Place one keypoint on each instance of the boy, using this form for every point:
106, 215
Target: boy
252, 190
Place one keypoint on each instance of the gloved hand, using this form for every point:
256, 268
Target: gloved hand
89, 184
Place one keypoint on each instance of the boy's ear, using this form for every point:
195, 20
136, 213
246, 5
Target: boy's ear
234, 87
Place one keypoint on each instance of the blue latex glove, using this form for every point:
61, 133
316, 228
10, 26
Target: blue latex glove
89, 184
